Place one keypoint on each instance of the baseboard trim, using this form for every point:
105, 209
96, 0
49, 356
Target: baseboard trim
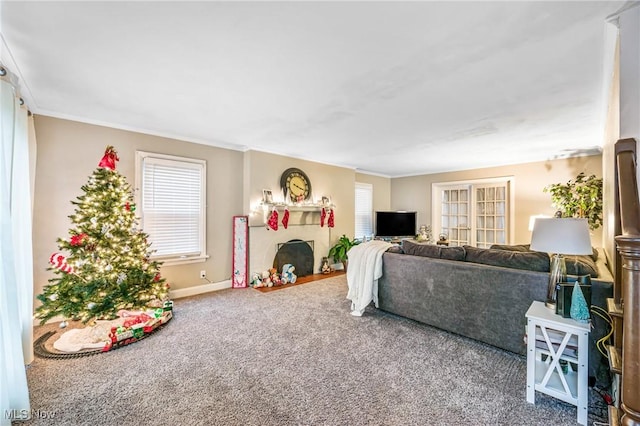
173, 294
199, 289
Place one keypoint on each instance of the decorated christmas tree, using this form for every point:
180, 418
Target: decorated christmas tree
103, 266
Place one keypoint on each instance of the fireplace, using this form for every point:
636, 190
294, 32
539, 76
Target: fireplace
264, 243
297, 252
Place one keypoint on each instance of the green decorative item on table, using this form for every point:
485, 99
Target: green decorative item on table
579, 309
339, 251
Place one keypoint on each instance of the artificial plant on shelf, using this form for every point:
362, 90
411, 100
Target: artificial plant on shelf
339, 250
581, 197
103, 265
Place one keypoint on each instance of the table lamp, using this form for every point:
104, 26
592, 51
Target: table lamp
560, 236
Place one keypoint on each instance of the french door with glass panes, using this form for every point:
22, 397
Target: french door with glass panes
454, 215
473, 213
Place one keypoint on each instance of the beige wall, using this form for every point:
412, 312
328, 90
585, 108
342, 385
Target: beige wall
263, 171
623, 110
414, 193
612, 133
68, 152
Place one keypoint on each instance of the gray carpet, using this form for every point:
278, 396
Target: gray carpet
291, 357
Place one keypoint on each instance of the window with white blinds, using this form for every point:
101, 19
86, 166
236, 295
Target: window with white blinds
364, 210
171, 203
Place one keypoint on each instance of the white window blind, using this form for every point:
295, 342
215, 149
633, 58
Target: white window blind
364, 210
172, 204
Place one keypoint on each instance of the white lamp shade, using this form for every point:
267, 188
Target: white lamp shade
532, 220
561, 235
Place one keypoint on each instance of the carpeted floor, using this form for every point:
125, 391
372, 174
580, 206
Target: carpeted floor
291, 357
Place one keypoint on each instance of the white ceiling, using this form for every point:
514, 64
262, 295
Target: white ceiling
393, 88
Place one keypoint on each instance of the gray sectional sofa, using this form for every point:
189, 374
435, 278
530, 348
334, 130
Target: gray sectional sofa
482, 294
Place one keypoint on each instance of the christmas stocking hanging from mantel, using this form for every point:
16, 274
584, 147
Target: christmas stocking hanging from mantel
332, 220
272, 223
323, 216
285, 218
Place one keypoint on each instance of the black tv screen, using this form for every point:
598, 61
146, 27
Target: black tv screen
395, 224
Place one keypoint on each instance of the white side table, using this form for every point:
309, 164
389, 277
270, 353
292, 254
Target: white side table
550, 339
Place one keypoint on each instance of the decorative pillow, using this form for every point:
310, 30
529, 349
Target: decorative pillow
581, 265
530, 261
518, 247
432, 250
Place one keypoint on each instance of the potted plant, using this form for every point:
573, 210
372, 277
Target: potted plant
339, 251
581, 197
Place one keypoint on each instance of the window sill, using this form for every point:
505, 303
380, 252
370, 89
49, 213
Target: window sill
174, 261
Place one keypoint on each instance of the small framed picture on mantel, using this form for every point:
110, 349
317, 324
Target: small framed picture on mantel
267, 196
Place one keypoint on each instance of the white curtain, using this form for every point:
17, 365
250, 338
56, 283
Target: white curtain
16, 256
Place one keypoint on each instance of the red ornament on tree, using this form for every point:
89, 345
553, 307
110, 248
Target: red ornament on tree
272, 223
78, 240
109, 159
323, 216
331, 221
285, 218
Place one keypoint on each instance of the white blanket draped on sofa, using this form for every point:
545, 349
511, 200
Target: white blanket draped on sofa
365, 268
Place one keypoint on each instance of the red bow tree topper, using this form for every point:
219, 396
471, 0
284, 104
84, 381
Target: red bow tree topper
109, 158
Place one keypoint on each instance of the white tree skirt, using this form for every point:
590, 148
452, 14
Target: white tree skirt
90, 337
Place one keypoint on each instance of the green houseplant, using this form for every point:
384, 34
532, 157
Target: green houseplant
581, 197
339, 251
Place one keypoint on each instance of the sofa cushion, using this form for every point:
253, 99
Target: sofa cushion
581, 265
431, 250
527, 247
530, 261
517, 247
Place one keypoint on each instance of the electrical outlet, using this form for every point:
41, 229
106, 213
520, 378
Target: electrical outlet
203, 274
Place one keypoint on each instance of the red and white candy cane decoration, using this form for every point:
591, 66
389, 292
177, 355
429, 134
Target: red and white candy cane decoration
60, 262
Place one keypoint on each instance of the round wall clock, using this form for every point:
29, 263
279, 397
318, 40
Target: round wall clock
296, 183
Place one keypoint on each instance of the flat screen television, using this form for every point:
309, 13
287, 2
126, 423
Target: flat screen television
395, 224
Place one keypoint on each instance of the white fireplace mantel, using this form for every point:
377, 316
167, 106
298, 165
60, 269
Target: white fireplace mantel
304, 214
